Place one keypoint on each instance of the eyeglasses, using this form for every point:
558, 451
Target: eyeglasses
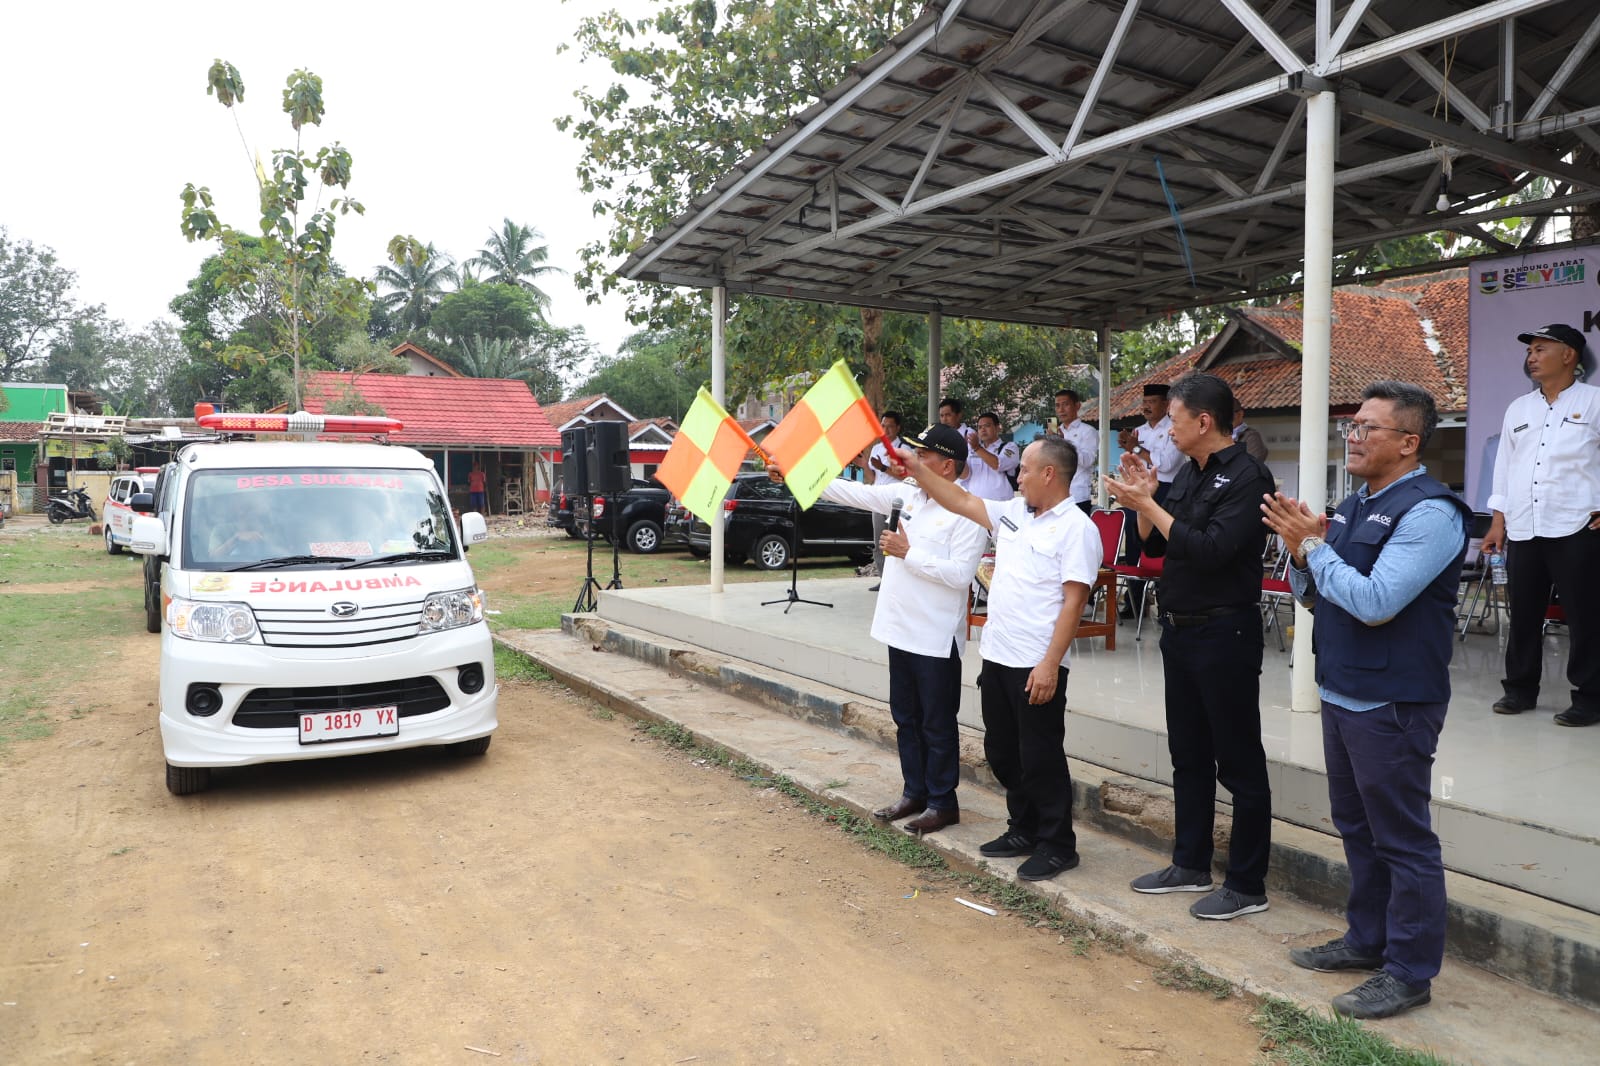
1360, 430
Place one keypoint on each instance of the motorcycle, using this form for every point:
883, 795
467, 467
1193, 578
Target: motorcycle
72, 504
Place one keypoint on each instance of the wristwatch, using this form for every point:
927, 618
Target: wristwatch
1309, 545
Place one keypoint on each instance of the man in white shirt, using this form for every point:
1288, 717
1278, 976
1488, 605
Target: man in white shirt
922, 616
1546, 504
990, 460
880, 471
1151, 442
1047, 554
1078, 433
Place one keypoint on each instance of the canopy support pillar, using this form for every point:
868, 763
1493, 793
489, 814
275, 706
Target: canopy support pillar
935, 366
719, 390
1103, 335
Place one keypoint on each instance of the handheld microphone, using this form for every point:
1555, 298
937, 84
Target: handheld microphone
894, 515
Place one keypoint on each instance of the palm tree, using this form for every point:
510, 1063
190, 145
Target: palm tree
512, 258
415, 288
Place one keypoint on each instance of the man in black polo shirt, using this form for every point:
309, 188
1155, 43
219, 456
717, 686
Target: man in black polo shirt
1209, 529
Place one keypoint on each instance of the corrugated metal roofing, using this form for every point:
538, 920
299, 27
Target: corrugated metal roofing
934, 177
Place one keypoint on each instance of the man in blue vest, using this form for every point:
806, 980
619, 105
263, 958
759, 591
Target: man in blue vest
1383, 586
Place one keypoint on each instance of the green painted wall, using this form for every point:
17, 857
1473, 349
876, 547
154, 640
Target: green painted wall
32, 403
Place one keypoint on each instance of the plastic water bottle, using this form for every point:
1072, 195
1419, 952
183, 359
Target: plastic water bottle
1497, 568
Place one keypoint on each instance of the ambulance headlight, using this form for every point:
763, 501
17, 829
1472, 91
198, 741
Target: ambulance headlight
227, 623
450, 610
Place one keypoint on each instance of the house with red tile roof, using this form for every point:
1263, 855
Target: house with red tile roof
1412, 330
459, 421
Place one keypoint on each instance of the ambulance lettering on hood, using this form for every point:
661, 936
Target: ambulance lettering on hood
348, 584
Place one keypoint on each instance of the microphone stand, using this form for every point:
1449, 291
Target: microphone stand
794, 564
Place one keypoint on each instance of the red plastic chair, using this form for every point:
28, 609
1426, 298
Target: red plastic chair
1110, 524
1275, 591
1147, 570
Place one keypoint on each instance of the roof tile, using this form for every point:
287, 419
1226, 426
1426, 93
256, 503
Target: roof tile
436, 411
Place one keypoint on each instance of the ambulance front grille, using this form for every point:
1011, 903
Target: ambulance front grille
280, 708
381, 623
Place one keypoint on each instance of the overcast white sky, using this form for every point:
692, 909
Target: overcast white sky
447, 109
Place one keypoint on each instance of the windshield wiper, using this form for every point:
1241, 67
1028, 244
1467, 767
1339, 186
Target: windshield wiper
399, 557
289, 560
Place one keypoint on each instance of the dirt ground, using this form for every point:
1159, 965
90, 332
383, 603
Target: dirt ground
580, 894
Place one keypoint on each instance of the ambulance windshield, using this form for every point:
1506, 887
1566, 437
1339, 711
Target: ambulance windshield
313, 517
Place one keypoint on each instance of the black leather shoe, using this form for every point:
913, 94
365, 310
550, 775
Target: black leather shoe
1381, 996
900, 808
933, 819
1512, 705
1334, 955
1573, 716
1046, 864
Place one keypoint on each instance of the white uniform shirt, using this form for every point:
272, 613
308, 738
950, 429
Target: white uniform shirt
991, 483
1087, 442
881, 454
1164, 455
1547, 468
1035, 554
922, 599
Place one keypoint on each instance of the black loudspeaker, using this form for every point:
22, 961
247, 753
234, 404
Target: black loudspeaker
609, 472
575, 461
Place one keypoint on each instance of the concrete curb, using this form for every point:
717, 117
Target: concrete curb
1547, 946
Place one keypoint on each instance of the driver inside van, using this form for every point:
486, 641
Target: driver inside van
250, 532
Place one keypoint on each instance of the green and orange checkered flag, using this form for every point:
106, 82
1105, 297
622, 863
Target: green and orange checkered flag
704, 456
824, 431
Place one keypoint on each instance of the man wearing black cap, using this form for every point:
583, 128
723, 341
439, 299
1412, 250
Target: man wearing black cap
921, 614
1047, 555
1546, 504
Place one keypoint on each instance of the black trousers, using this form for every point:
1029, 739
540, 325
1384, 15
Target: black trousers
1572, 565
1025, 746
924, 695
1213, 679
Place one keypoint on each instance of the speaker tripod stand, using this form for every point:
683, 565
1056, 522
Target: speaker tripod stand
585, 603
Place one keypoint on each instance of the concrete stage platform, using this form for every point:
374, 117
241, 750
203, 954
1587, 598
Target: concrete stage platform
1513, 796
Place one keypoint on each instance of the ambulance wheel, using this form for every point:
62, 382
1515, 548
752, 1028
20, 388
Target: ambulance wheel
112, 547
470, 748
184, 780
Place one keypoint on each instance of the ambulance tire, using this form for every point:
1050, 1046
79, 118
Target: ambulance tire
185, 780
112, 547
471, 748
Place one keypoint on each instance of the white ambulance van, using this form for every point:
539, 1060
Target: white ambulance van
316, 601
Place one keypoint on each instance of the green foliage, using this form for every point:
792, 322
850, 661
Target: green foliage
36, 307
511, 257
512, 665
490, 311
1301, 1038
698, 87
649, 377
1013, 370
289, 274
416, 284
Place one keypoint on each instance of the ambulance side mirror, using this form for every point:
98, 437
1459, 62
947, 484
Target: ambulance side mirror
473, 529
148, 536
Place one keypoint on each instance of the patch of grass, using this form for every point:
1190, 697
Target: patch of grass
835, 783
531, 613
1190, 978
20, 719
1293, 1036
512, 665
122, 851
602, 714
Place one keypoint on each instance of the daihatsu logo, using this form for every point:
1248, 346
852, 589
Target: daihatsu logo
344, 609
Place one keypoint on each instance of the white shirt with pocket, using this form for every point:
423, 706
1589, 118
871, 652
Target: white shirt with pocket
1035, 555
1547, 468
922, 599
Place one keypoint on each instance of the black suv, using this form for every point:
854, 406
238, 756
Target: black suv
760, 515
640, 514
559, 512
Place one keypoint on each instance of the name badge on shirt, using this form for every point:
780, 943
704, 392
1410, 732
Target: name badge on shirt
1520, 428
1008, 523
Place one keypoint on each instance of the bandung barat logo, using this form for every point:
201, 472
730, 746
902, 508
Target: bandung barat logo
1533, 276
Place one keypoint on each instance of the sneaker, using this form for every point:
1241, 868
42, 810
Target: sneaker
1172, 879
1046, 864
1512, 705
1334, 955
1381, 996
1008, 845
1225, 903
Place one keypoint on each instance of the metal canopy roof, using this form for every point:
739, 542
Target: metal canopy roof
1031, 160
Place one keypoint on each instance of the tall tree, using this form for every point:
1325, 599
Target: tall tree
700, 86
295, 265
415, 287
512, 256
36, 305
490, 311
